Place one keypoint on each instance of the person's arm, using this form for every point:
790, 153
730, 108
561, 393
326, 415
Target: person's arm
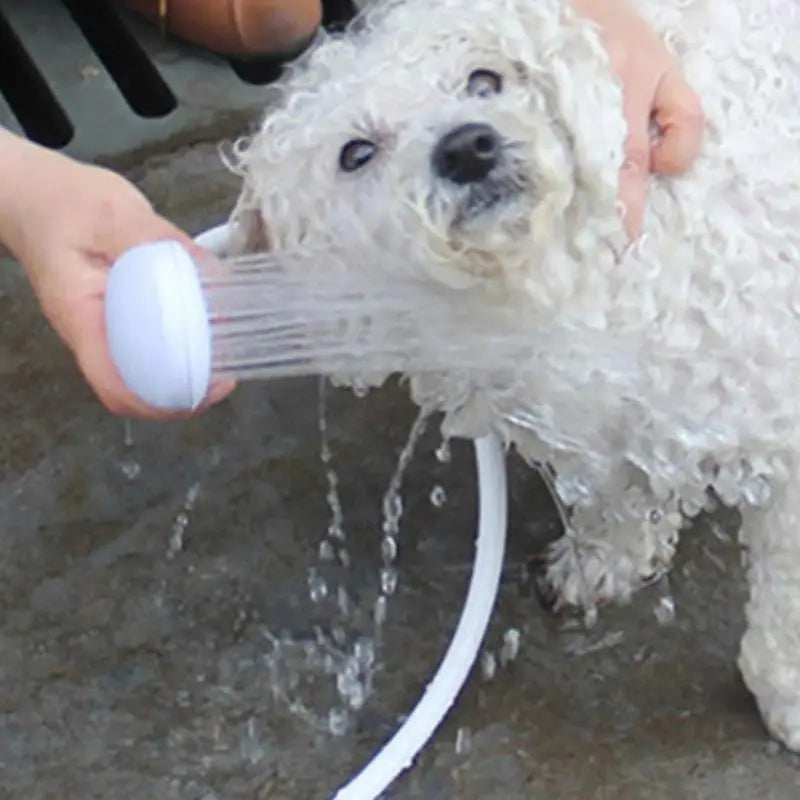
13, 155
655, 89
66, 223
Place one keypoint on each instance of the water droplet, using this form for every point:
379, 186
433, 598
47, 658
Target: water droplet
438, 496
510, 648
326, 551
335, 531
325, 453
654, 516
128, 433
463, 741
176, 537
317, 588
388, 549
347, 685
443, 454
390, 527
388, 580
357, 696
312, 654
488, 665
727, 484
329, 664
343, 601
379, 611
364, 652
665, 610
719, 532
393, 506
337, 721
590, 617
131, 469
191, 496
572, 489
757, 490
344, 558
360, 390
350, 668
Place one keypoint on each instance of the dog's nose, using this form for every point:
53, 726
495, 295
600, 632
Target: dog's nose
467, 153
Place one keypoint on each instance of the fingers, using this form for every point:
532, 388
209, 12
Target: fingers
677, 111
219, 391
146, 226
635, 171
98, 368
679, 116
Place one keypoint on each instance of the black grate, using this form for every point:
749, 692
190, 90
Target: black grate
336, 13
123, 57
28, 94
36, 107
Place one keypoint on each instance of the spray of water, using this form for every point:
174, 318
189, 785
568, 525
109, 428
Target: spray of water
276, 314
269, 318
336, 668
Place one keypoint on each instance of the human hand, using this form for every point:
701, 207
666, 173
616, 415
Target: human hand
67, 223
655, 91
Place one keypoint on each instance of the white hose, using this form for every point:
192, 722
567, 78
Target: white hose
215, 239
399, 752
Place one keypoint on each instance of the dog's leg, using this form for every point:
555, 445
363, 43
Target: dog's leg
611, 548
770, 652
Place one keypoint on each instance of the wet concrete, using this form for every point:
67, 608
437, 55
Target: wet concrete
130, 669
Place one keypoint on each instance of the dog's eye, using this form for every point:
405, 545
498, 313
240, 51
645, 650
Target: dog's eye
484, 82
355, 154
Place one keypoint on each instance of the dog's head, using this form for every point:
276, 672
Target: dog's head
469, 140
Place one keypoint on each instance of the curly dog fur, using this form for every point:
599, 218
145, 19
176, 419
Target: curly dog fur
706, 301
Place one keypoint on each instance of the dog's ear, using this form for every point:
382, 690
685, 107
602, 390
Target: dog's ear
248, 229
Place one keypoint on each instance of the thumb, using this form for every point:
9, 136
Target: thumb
95, 362
679, 116
145, 226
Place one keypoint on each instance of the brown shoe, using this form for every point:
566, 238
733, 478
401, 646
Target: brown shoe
237, 27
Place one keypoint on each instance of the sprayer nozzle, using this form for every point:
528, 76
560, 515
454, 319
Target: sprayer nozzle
157, 326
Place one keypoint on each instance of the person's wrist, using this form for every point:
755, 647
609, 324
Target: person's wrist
26, 172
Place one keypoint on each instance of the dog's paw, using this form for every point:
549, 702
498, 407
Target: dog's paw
574, 573
768, 662
782, 718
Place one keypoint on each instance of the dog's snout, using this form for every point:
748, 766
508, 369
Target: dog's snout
467, 153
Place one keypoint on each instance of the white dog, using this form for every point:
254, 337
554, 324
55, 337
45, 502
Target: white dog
479, 142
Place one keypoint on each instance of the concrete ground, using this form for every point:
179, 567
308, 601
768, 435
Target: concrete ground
135, 668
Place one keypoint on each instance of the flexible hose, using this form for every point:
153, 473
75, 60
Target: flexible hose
440, 694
